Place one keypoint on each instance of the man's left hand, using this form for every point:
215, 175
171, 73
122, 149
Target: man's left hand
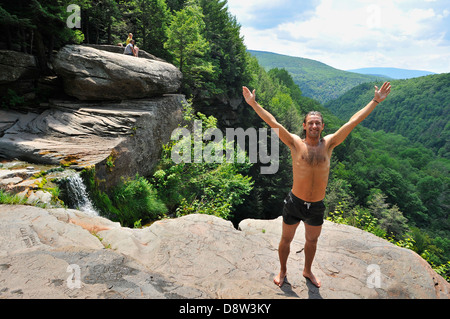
382, 94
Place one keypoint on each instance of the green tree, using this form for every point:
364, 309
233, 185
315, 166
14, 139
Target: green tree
207, 188
430, 189
228, 52
186, 42
288, 81
175, 5
97, 20
338, 193
152, 20
391, 219
37, 27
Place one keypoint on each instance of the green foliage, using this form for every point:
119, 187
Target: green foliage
206, 188
99, 198
11, 99
227, 50
189, 47
37, 27
390, 219
357, 217
152, 19
136, 199
8, 199
444, 270
417, 109
133, 200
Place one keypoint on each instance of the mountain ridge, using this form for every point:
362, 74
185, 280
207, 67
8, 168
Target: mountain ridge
394, 73
316, 79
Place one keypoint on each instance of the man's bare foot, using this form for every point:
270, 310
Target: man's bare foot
316, 282
279, 280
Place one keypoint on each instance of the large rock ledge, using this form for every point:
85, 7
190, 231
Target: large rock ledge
129, 112
92, 74
197, 256
76, 134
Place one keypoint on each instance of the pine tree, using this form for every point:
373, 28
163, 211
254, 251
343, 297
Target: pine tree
228, 52
152, 18
190, 48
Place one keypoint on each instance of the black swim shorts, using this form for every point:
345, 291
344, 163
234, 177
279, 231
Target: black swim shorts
296, 210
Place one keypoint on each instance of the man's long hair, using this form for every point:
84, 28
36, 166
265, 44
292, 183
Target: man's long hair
317, 113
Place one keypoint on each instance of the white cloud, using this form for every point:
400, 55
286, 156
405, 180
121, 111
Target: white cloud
352, 34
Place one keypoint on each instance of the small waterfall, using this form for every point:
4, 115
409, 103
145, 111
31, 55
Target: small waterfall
77, 196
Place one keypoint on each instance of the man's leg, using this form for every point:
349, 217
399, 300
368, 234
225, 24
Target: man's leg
312, 234
284, 249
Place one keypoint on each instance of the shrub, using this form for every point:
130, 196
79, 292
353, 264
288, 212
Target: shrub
137, 199
133, 200
9, 199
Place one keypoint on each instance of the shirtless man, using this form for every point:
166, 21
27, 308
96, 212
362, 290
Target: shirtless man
311, 167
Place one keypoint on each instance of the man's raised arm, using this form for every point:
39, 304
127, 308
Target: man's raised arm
286, 137
380, 95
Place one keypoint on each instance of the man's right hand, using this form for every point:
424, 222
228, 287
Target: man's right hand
249, 97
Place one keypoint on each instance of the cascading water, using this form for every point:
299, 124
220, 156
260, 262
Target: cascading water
77, 196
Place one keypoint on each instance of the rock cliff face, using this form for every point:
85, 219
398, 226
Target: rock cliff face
85, 134
60, 253
121, 132
16, 66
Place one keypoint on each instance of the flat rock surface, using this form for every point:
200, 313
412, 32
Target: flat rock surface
59, 253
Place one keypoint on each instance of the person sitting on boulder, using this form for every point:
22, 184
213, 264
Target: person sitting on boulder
130, 37
135, 50
129, 49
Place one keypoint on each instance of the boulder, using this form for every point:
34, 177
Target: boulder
126, 137
19, 73
17, 65
92, 74
196, 256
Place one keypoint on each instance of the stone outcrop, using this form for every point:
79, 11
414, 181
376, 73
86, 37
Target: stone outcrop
21, 181
196, 256
127, 134
16, 66
92, 74
121, 132
19, 73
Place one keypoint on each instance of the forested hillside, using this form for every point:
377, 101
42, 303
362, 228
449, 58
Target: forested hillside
418, 109
385, 183
316, 80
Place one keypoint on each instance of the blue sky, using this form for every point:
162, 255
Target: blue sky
350, 34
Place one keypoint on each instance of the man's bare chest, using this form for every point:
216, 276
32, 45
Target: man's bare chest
312, 156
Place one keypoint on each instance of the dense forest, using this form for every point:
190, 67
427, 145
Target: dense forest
419, 109
387, 183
